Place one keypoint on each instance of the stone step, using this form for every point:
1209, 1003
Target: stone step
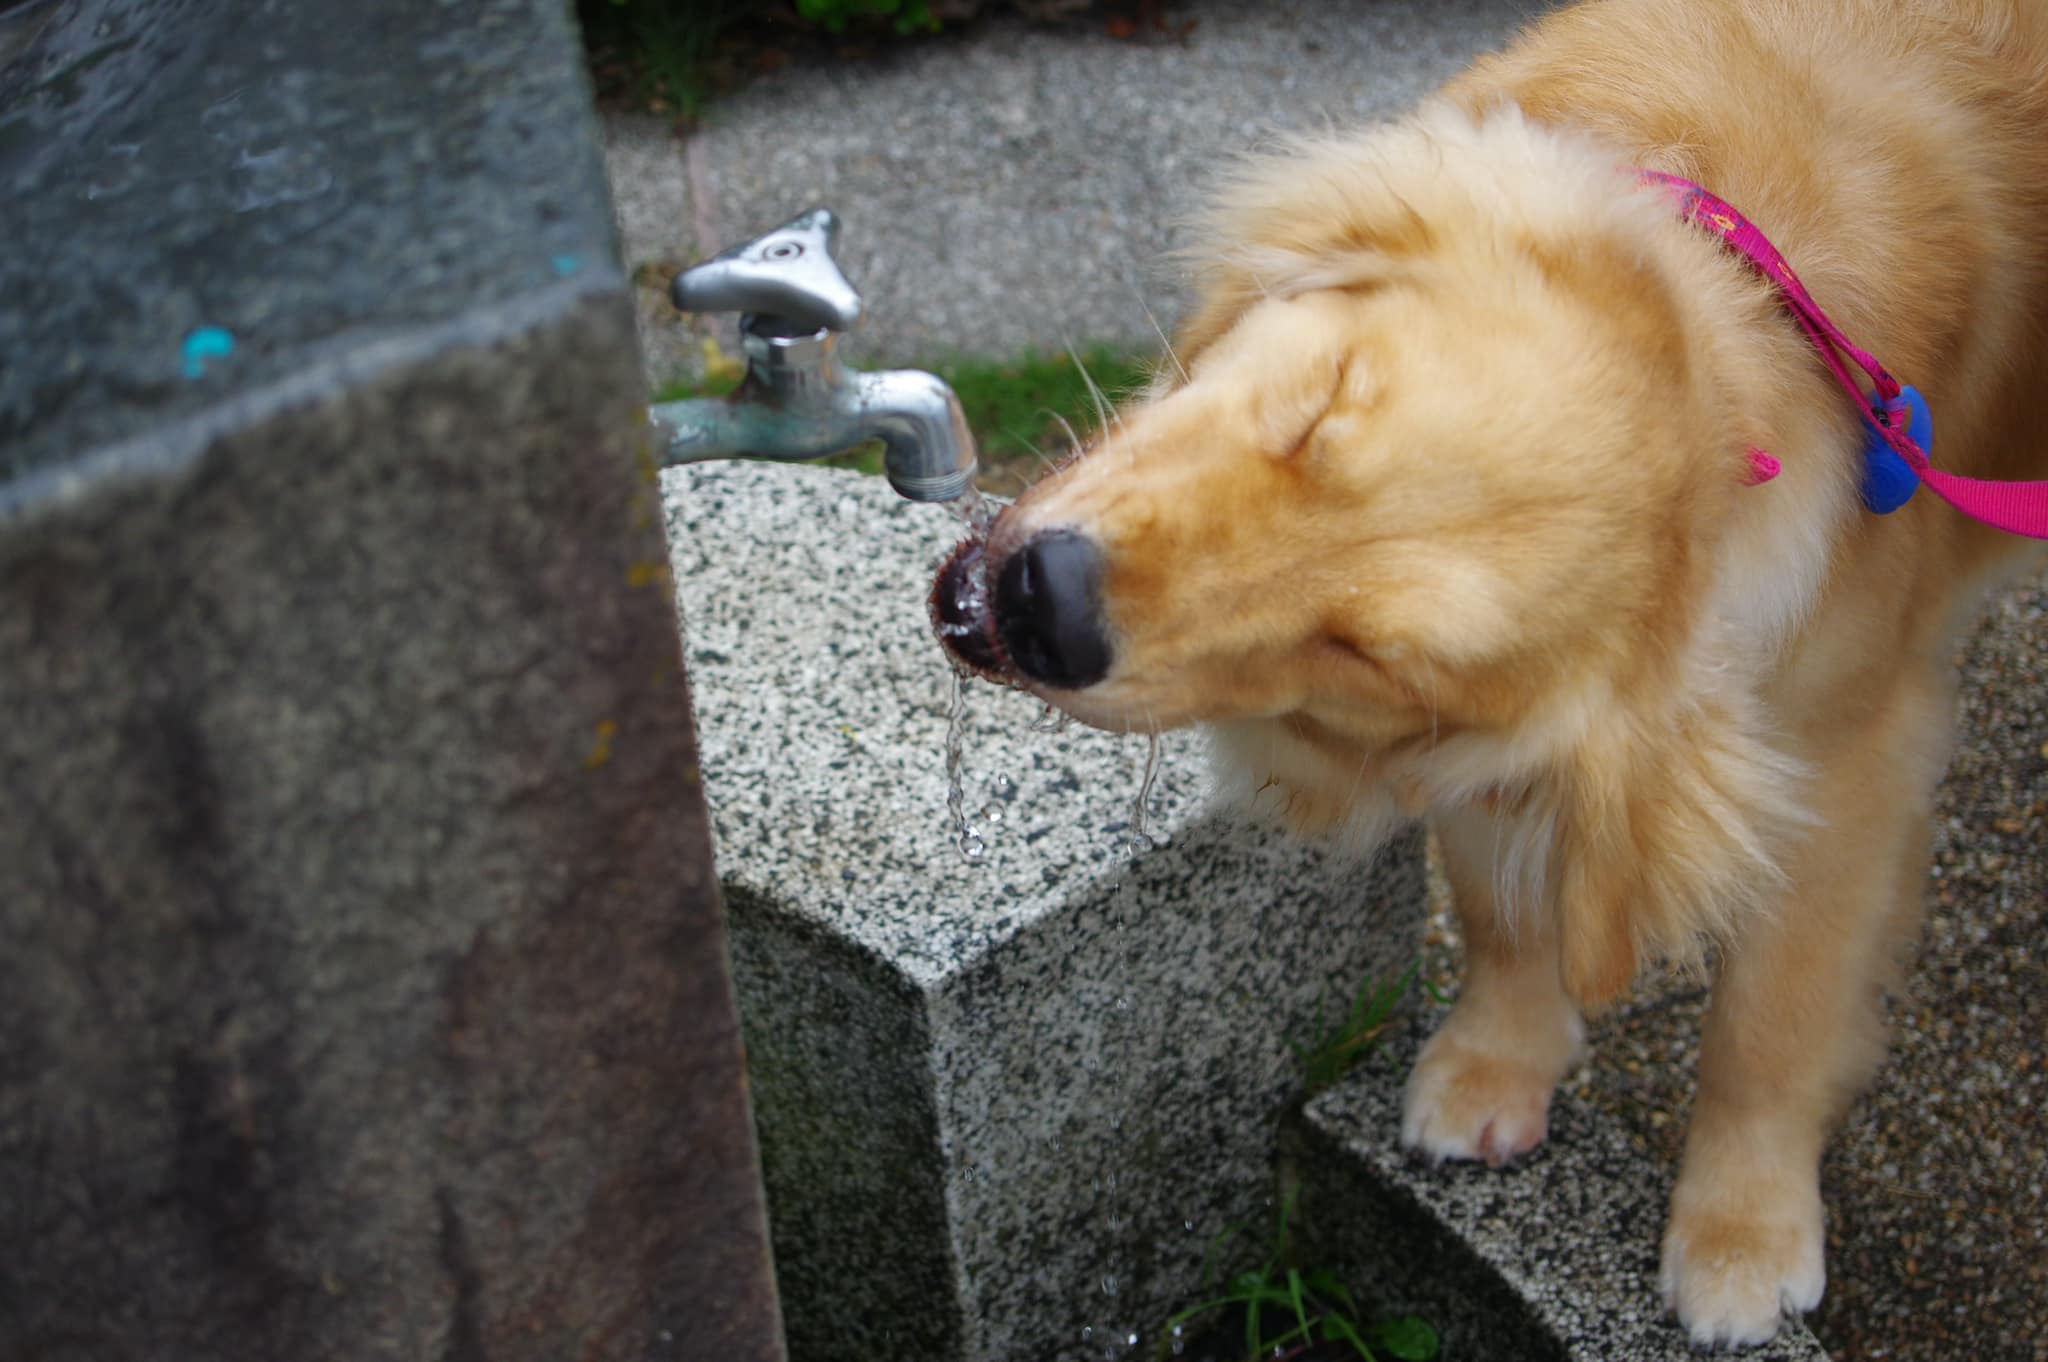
1553, 1257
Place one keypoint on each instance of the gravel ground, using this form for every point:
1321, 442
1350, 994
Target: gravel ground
1937, 1189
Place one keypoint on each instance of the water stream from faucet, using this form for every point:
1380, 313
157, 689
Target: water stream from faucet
1120, 1335
975, 511
970, 841
1141, 839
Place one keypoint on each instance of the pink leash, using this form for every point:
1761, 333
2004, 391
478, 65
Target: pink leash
2016, 507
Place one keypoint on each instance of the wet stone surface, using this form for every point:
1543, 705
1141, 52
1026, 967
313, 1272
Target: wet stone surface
1003, 1100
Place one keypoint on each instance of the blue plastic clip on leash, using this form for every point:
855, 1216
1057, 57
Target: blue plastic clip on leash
1889, 482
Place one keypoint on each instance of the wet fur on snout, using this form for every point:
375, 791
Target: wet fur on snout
1441, 509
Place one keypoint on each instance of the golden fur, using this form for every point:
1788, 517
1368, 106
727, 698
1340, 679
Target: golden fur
1441, 510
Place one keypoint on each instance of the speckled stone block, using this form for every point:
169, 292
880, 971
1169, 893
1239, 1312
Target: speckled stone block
1004, 1103
1552, 1257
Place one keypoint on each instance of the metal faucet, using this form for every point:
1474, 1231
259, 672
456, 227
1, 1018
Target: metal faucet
797, 400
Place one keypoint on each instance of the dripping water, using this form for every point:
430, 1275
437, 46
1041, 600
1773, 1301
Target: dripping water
975, 511
1051, 720
1141, 839
978, 513
970, 842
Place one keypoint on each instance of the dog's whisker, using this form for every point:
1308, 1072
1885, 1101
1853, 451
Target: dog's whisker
1068, 426
1105, 414
1358, 780
1430, 667
1159, 330
1040, 455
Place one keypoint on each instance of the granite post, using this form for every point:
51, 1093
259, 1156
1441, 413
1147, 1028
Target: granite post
364, 990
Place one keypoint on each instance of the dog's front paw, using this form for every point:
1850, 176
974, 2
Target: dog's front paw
1464, 1102
1731, 1277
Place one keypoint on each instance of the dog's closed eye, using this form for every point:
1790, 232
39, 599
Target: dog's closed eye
1379, 660
1290, 401
1288, 416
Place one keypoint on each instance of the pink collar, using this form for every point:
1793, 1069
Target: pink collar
2016, 507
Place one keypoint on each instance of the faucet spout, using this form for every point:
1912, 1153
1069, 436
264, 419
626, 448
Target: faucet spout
928, 452
798, 402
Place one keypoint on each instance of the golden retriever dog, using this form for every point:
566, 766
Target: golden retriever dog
1445, 506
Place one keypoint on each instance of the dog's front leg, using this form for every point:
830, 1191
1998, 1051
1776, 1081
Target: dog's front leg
1481, 1087
1794, 1031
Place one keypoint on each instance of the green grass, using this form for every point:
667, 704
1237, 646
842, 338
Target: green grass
1283, 1308
1020, 409
658, 52
677, 56
1016, 407
1335, 1045
905, 16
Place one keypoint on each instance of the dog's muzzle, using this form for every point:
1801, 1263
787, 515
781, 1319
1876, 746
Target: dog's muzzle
1037, 613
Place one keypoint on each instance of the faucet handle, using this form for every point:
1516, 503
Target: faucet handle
789, 275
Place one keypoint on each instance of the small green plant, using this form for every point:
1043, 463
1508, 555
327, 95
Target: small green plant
909, 16
1336, 1044
675, 56
1287, 1311
667, 45
1284, 1309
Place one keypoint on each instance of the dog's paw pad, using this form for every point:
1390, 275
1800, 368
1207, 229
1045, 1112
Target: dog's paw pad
1733, 1281
1465, 1104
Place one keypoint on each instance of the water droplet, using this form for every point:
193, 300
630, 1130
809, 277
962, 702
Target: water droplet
970, 842
1003, 785
1188, 1225
1051, 720
1139, 841
1087, 1333
992, 814
1131, 1339
1109, 1286
974, 510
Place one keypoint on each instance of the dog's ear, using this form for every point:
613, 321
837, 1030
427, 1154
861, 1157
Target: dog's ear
1669, 830
1221, 303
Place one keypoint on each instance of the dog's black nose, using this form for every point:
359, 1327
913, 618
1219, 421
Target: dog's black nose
1049, 610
